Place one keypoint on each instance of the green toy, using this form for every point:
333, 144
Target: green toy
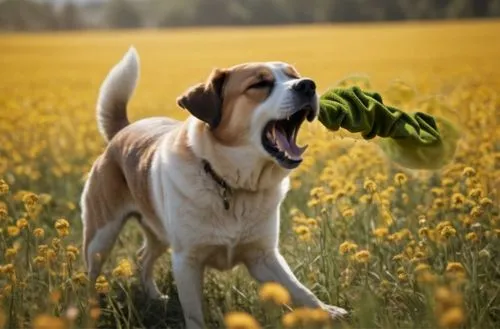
414, 140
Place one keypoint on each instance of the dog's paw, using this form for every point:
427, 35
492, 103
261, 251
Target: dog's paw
336, 313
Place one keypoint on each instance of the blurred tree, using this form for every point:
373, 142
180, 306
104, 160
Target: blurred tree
122, 14
69, 17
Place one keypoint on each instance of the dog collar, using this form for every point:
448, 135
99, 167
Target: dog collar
225, 189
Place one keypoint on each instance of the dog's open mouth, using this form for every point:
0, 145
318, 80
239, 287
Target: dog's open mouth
279, 138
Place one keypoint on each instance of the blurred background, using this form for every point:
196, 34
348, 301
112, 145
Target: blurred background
33, 15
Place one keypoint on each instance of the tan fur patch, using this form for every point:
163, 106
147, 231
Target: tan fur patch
239, 101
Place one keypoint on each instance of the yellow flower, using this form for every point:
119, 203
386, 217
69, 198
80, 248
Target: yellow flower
79, 278
348, 213
45, 321
240, 320
471, 236
448, 231
39, 232
10, 252
305, 317
452, 318
381, 232
4, 214
30, 199
400, 179
475, 193
275, 293
62, 227
485, 202
4, 187
455, 267
13, 231
101, 285
40, 261
123, 270
403, 277
370, 186
468, 172
22, 223
301, 230
476, 212
347, 247
362, 256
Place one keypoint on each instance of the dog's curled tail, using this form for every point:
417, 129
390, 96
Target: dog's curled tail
115, 93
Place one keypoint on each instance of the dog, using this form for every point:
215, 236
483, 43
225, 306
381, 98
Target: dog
208, 187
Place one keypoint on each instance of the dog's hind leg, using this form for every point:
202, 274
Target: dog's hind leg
106, 204
151, 250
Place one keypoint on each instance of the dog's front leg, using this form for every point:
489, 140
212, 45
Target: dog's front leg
188, 275
270, 266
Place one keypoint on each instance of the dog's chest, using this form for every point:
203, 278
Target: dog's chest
232, 233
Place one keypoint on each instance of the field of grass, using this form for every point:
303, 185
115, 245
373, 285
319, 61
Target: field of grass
397, 248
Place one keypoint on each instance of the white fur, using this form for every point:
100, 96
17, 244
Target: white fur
118, 87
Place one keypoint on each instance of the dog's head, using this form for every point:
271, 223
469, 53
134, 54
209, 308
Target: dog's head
258, 104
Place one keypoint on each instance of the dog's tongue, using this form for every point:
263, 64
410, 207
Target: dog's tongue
288, 144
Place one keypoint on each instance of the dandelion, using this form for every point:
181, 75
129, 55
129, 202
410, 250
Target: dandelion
123, 270
30, 200
472, 237
485, 202
468, 172
381, 232
4, 187
370, 186
448, 231
275, 293
22, 223
475, 193
452, 318
62, 227
400, 179
348, 213
79, 278
45, 321
13, 231
455, 267
39, 232
476, 212
240, 320
102, 285
347, 247
362, 256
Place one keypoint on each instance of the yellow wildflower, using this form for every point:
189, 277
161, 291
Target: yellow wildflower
381, 232
79, 278
39, 232
123, 270
468, 172
347, 247
4, 214
403, 277
10, 252
40, 261
22, 223
348, 213
370, 186
400, 179
62, 227
452, 318
45, 321
13, 231
485, 202
240, 320
455, 267
274, 292
102, 285
4, 187
471, 236
362, 256
475, 193
476, 212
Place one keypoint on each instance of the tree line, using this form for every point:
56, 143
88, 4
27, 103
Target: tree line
36, 15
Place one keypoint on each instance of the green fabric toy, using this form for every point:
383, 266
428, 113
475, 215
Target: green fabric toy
412, 140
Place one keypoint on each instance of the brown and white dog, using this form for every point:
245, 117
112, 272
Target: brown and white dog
209, 187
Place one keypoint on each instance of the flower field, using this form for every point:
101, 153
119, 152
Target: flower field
398, 248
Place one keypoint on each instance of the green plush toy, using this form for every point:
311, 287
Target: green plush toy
412, 140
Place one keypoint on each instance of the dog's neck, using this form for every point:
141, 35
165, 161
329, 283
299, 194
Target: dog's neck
241, 168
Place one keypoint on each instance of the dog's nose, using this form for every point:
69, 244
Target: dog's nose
305, 86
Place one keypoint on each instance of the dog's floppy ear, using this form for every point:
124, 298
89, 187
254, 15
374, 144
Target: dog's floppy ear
204, 100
